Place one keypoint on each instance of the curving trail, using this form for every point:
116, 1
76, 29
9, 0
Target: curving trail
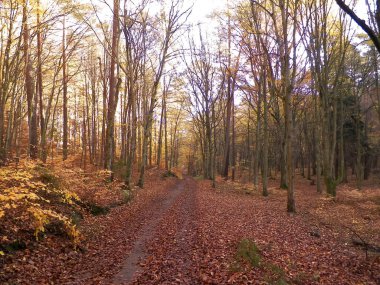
132, 267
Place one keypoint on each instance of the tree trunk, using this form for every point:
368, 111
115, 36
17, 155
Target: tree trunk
64, 90
39, 88
112, 98
29, 88
159, 146
257, 142
265, 137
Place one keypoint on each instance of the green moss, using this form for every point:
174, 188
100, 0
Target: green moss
330, 186
169, 174
248, 252
76, 217
127, 195
284, 186
97, 210
47, 177
13, 246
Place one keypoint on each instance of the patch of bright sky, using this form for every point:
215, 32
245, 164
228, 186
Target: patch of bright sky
202, 9
360, 8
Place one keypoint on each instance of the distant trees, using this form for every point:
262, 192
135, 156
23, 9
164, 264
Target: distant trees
172, 23
327, 70
280, 90
205, 90
269, 39
296, 78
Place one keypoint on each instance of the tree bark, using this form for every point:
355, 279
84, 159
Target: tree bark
39, 88
29, 88
64, 91
265, 137
112, 98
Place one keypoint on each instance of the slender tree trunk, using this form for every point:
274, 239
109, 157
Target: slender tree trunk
124, 130
104, 111
342, 168
287, 91
257, 152
214, 147
133, 131
159, 146
289, 152
359, 164
43, 154
84, 140
93, 113
64, 90
233, 143
265, 137
112, 98
87, 118
166, 140
29, 88
227, 144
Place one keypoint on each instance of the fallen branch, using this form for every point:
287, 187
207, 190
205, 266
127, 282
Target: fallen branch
359, 241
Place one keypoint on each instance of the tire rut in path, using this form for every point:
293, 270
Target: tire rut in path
130, 267
186, 239
174, 250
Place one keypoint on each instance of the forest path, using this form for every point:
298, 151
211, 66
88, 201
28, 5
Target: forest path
186, 232
165, 240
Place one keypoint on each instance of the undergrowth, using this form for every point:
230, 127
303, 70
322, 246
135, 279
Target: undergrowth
248, 255
28, 203
248, 252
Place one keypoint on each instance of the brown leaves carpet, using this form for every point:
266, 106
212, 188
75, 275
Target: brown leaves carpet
185, 232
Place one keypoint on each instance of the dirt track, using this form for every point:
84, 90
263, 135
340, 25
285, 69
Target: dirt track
173, 217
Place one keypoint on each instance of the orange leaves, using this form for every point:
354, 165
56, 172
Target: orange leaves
24, 204
194, 237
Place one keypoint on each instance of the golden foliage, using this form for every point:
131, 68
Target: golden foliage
23, 197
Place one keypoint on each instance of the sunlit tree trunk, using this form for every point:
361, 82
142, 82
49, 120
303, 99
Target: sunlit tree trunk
113, 90
64, 91
39, 88
29, 88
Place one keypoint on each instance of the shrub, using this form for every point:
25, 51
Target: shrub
27, 197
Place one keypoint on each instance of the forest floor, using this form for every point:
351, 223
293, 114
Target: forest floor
186, 232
